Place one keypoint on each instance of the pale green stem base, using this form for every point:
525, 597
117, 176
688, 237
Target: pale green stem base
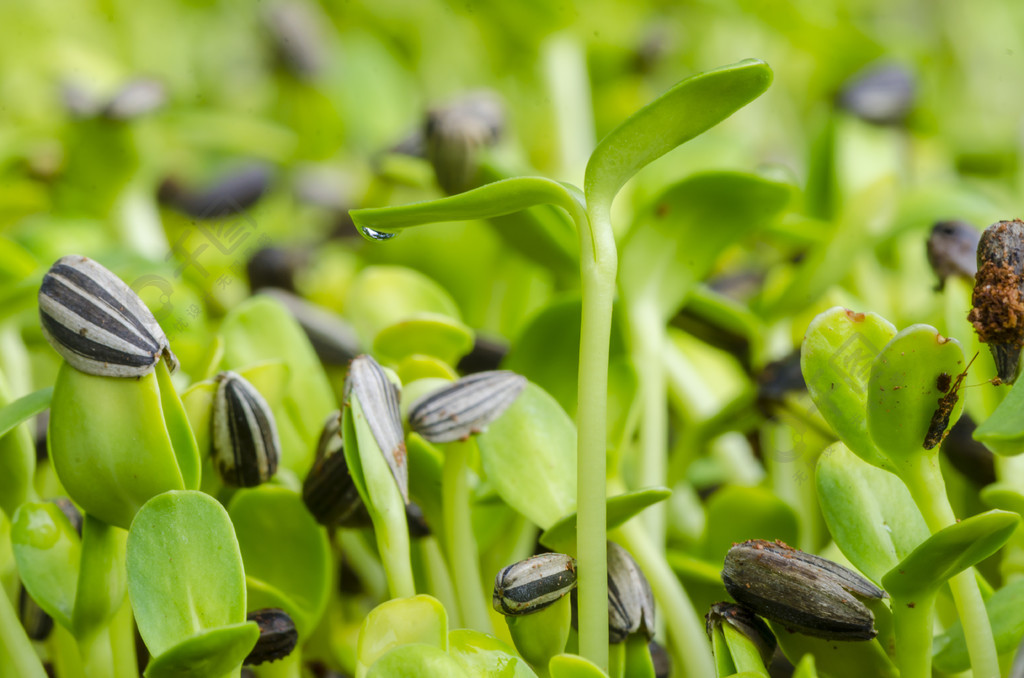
923, 478
439, 579
648, 335
97, 657
460, 547
913, 631
16, 651
597, 276
122, 642
686, 632
286, 667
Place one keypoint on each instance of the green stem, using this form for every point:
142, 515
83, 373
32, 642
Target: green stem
913, 624
286, 667
597, 276
648, 336
97, 656
16, 651
122, 642
460, 545
439, 579
923, 478
684, 627
363, 562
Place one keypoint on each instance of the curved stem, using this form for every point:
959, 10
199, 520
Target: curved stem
598, 264
923, 478
460, 544
913, 627
684, 627
16, 651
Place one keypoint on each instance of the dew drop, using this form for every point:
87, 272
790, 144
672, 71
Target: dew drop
376, 235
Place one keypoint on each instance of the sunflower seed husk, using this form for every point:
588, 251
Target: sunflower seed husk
97, 323
952, 250
379, 400
244, 438
233, 194
532, 584
467, 406
136, 98
38, 625
630, 599
882, 94
295, 29
660, 659
329, 492
998, 299
334, 340
456, 134
278, 636
747, 623
804, 592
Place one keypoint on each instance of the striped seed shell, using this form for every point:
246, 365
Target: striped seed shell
630, 599
278, 636
466, 406
329, 492
244, 439
97, 323
747, 623
379, 400
804, 592
532, 584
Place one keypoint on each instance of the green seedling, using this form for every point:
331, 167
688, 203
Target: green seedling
685, 111
187, 587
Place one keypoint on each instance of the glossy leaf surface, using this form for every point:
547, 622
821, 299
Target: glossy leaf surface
47, 550
401, 621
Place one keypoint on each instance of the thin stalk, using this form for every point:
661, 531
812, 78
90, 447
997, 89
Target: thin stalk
460, 544
361, 559
598, 262
686, 631
122, 642
97, 656
648, 336
439, 579
923, 478
913, 625
16, 651
286, 667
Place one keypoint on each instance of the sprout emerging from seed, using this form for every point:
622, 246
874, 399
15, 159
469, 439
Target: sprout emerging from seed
464, 407
244, 439
747, 623
278, 636
533, 584
803, 592
998, 313
378, 397
97, 323
329, 492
